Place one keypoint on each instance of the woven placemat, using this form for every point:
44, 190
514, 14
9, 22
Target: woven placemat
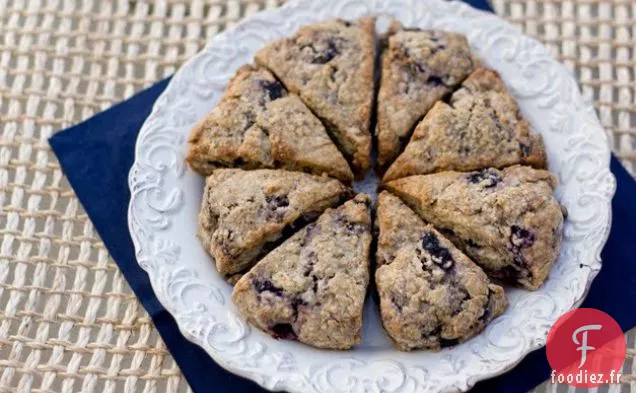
68, 321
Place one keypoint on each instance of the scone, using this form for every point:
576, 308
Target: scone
507, 221
419, 67
480, 127
395, 226
245, 214
432, 296
259, 124
330, 66
312, 287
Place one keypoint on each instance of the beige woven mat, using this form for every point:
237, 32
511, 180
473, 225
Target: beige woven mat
68, 320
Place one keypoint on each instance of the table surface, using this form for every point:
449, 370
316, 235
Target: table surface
68, 320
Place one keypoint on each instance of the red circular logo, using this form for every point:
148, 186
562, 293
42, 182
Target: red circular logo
586, 348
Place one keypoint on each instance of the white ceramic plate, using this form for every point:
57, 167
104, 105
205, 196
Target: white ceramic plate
166, 196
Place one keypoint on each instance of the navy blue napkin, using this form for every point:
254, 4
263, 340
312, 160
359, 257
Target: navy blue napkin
102, 148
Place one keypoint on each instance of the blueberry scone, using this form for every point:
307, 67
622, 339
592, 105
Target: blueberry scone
245, 214
481, 126
312, 287
431, 294
259, 124
330, 65
419, 67
507, 221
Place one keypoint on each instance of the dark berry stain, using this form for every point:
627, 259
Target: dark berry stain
297, 302
525, 149
284, 331
520, 237
440, 255
435, 334
434, 80
267, 286
445, 343
277, 201
487, 178
274, 89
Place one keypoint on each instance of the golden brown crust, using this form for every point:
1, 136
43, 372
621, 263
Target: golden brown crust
419, 67
258, 124
245, 213
330, 66
396, 225
507, 221
481, 127
312, 287
432, 295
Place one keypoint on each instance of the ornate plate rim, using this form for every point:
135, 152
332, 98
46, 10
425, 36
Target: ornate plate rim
139, 235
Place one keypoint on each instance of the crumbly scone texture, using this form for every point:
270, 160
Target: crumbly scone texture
330, 65
245, 214
396, 225
259, 124
312, 287
419, 67
433, 296
507, 221
481, 126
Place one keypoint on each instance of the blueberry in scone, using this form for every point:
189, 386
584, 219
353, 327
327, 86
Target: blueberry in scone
507, 221
312, 287
419, 67
481, 126
259, 124
431, 294
330, 65
245, 214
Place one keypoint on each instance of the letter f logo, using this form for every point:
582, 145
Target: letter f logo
584, 347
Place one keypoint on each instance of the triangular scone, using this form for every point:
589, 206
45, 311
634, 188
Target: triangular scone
396, 225
245, 214
330, 66
312, 287
258, 124
433, 296
507, 221
419, 67
481, 127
